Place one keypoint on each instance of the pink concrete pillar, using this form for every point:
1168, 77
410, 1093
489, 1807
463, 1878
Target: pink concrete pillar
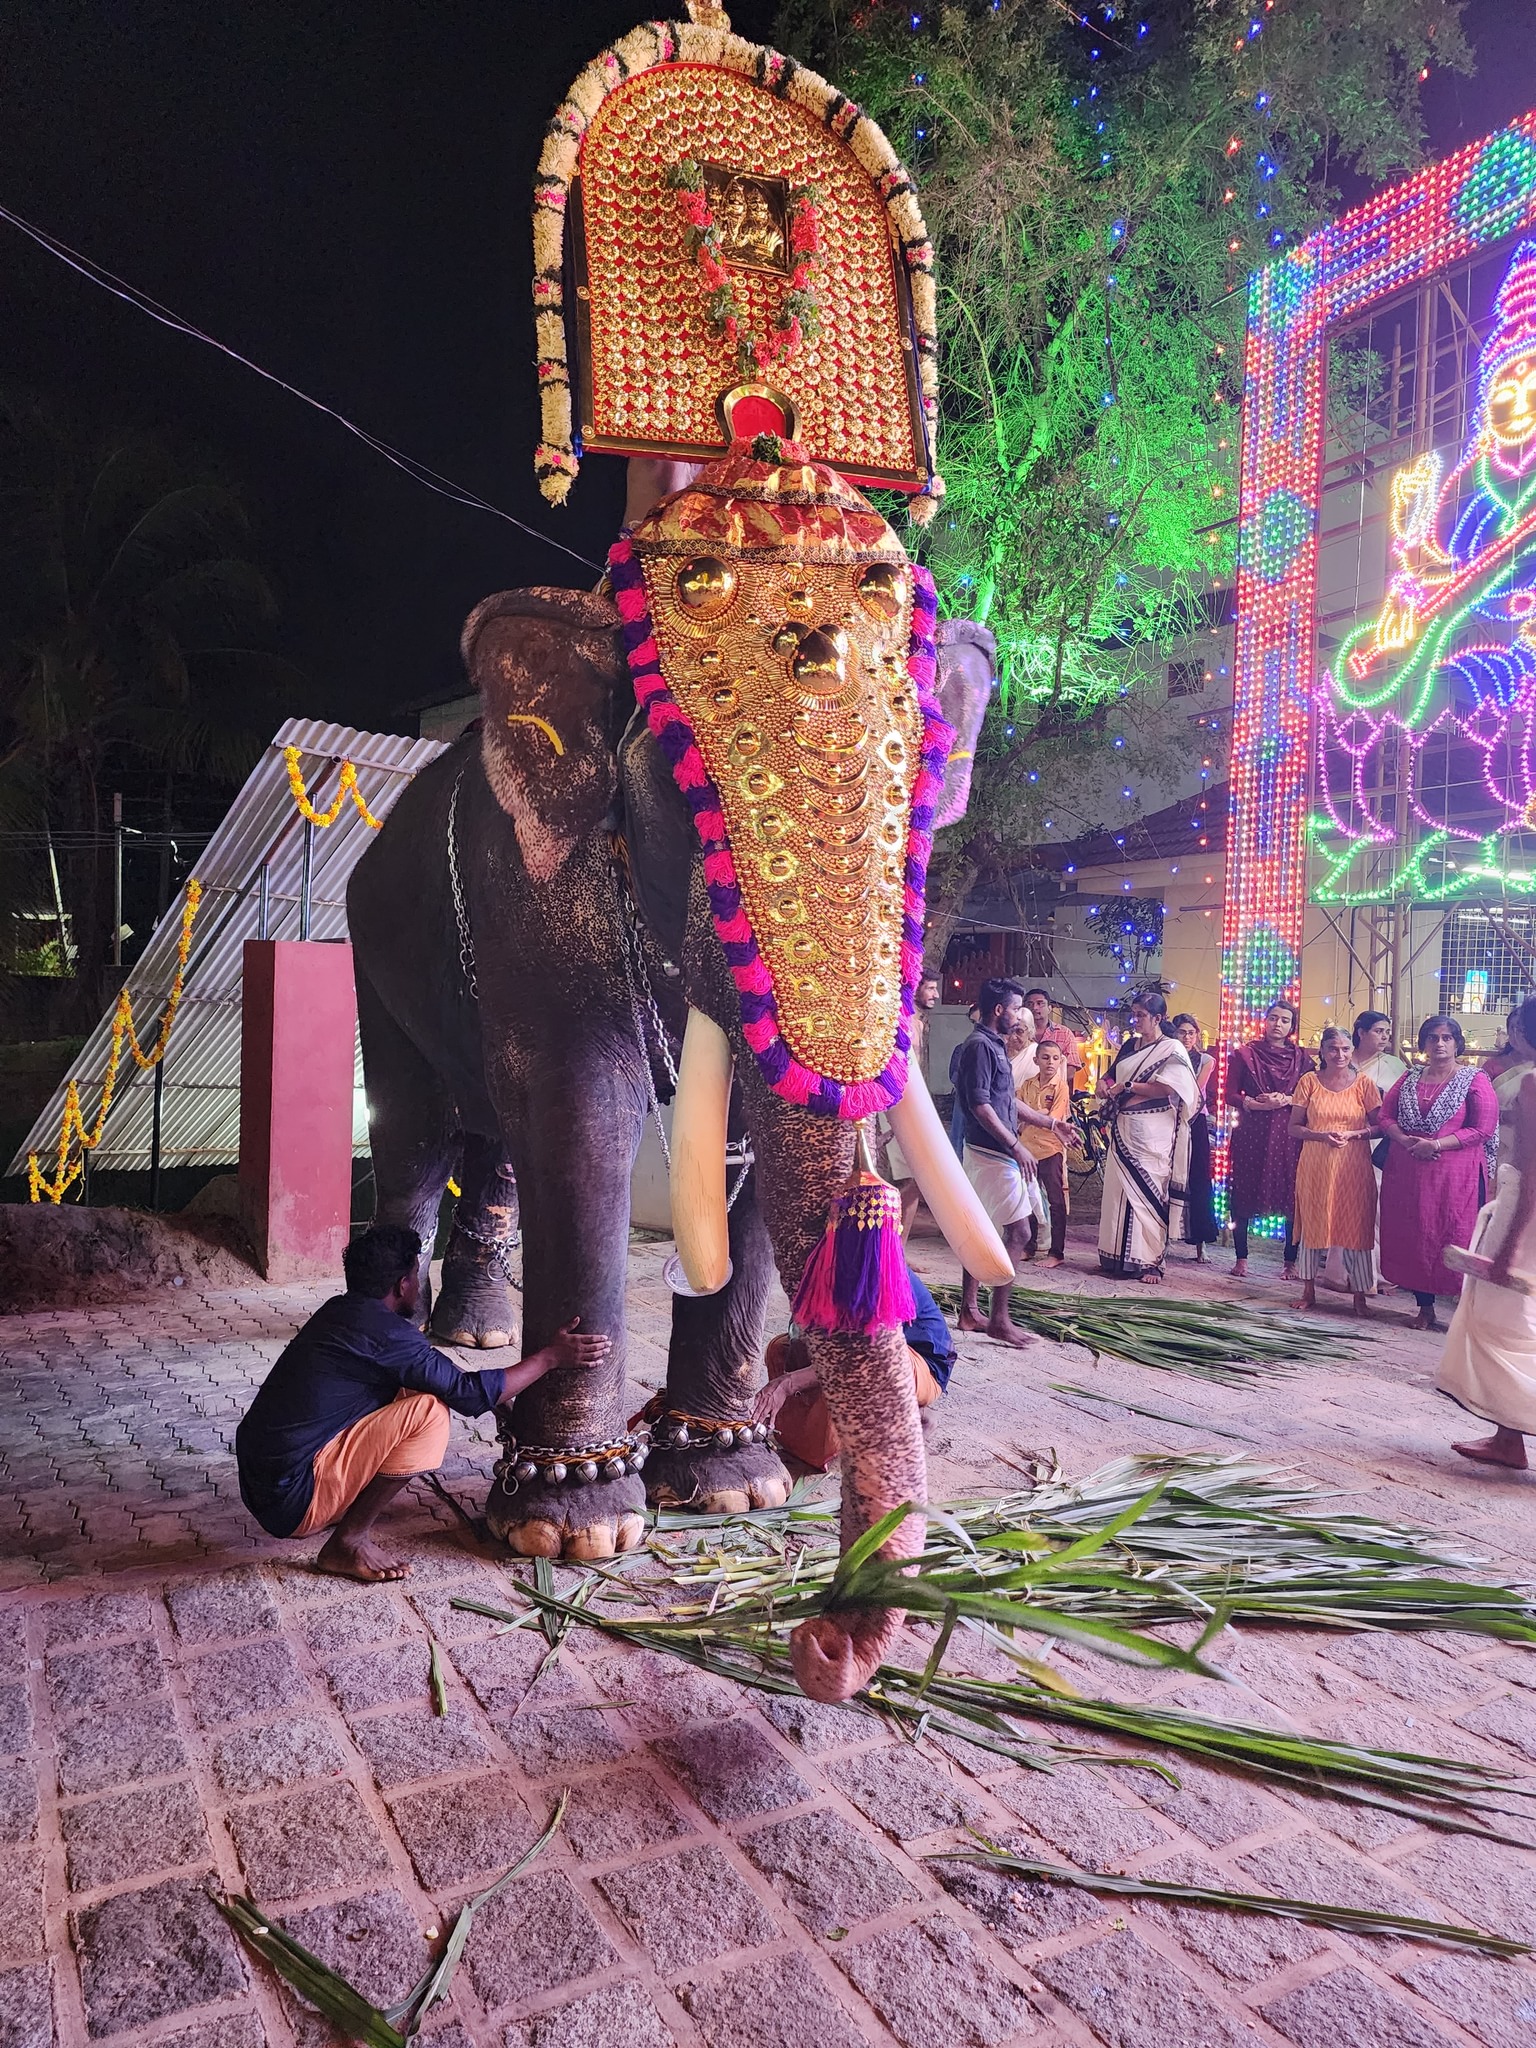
297, 1027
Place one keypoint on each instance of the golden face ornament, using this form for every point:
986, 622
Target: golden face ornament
781, 645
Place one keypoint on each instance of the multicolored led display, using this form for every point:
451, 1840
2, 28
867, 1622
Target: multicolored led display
1443, 678
1477, 663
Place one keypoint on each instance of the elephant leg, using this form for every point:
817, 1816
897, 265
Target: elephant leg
412, 1128
576, 1134
479, 1304
714, 1365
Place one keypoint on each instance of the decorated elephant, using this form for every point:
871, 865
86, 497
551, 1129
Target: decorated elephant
532, 933
686, 850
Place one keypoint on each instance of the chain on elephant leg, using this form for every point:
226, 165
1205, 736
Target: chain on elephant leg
480, 1302
581, 1502
719, 1467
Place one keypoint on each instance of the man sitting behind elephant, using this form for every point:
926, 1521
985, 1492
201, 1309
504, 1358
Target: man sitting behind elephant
358, 1404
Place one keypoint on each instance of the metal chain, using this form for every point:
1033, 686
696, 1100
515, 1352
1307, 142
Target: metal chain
456, 883
498, 1247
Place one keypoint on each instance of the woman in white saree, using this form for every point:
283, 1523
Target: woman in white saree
1153, 1094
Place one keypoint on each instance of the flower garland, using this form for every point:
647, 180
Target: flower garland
799, 316
66, 1172
649, 47
347, 787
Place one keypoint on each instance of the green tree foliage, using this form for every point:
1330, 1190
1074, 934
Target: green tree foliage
1127, 930
1099, 182
131, 623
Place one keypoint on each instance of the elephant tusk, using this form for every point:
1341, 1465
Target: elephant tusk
699, 1222
941, 1179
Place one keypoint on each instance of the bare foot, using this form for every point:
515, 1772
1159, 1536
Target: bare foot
1289, 1273
1151, 1279
969, 1319
1053, 1259
1425, 1320
1239, 1269
1494, 1450
1199, 1254
1361, 1309
1309, 1296
1010, 1333
356, 1558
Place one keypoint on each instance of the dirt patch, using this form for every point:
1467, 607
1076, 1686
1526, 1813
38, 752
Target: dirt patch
67, 1257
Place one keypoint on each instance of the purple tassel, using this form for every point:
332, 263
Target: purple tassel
855, 1281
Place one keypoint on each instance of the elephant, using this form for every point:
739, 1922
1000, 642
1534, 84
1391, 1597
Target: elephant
532, 935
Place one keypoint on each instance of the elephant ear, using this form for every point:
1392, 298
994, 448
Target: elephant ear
966, 678
660, 833
548, 664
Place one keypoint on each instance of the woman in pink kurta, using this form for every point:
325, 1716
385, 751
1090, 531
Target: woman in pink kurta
1441, 1119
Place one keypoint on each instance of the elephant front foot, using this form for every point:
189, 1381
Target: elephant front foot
479, 1306
718, 1468
581, 1505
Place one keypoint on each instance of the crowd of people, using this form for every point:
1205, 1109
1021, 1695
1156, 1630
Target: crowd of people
1381, 1173
1369, 1162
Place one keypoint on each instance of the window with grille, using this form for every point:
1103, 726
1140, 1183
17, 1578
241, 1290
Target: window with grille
1186, 679
1487, 963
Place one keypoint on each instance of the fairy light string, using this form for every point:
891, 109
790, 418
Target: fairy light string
69, 1167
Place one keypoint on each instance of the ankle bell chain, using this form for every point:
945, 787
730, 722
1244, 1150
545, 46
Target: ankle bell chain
575, 1464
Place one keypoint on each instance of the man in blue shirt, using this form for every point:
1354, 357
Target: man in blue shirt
358, 1404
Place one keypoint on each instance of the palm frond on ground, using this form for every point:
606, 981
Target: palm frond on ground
1208, 1340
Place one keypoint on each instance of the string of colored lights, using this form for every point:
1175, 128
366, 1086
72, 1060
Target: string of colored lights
1443, 216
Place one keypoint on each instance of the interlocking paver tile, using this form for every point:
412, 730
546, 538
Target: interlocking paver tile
146, 1955
461, 1831
99, 1681
282, 1753
685, 1907
1347, 2006
130, 1834
26, 2007
115, 1433
619, 2013
532, 1939
827, 1871
235, 1603
308, 1841
779, 2002
372, 1940
935, 1988
1132, 1997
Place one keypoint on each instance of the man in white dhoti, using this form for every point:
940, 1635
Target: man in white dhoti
999, 1166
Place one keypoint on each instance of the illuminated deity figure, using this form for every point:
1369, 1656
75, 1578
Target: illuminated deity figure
685, 846
1453, 648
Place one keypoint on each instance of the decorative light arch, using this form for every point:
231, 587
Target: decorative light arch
1446, 214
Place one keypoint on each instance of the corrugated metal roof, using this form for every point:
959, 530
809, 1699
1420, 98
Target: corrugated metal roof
200, 1109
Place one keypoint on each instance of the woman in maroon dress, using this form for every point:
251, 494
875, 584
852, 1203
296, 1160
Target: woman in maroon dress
1442, 1119
1261, 1079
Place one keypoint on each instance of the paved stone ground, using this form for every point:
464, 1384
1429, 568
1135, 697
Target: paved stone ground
184, 1700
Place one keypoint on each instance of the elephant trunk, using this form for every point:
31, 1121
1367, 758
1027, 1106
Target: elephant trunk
869, 1389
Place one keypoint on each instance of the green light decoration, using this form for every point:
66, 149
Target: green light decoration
1499, 186
1262, 968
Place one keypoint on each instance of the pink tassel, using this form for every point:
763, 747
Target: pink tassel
855, 1281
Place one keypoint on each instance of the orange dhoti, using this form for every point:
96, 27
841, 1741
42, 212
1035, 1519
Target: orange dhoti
410, 1435
803, 1424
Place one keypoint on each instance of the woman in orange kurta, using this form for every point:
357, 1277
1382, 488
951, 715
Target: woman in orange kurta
1334, 1117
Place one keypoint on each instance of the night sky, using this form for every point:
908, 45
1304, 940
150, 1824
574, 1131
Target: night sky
341, 191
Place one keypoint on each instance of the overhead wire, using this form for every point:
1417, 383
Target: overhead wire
119, 288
